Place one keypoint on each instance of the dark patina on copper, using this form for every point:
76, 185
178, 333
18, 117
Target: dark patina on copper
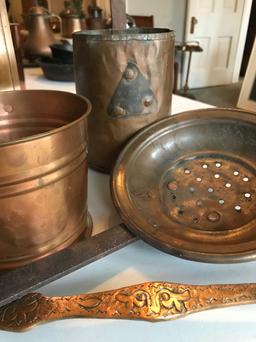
128, 76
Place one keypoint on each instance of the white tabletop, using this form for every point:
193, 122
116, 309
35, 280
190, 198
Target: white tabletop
137, 263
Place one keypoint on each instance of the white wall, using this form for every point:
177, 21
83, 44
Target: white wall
167, 13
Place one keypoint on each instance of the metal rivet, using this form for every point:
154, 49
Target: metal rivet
187, 171
237, 208
221, 201
217, 175
198, 179
147, 101
213, 216
236, 173
130, 74
210, 190
217, 164
228, 185
8, 108
245, 179
119, 111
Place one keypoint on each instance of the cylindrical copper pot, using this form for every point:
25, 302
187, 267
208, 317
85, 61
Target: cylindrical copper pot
43, 174
128, 76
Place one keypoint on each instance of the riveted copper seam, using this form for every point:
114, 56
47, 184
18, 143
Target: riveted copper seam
106, 60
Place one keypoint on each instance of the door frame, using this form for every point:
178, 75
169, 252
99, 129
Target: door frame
242, 39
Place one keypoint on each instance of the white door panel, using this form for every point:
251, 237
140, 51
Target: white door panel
217, 30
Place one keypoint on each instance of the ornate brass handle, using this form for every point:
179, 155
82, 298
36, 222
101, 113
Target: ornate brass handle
153, 301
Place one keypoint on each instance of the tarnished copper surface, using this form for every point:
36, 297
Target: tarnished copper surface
128, 77
43, 174
186, 184
153, 301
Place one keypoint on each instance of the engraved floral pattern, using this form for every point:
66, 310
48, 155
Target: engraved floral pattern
25, 311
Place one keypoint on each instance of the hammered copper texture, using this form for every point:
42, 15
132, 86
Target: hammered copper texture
43, 174
101, 59
152, 301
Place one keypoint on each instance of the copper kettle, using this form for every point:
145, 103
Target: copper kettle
40, 35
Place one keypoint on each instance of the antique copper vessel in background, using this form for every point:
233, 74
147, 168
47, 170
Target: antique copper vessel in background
128, 76
95, 21
71, 21
43, 174
40, 34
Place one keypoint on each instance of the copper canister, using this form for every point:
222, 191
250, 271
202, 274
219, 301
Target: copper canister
128, 77
43, 173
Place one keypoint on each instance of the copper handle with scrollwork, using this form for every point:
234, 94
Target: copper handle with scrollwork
152, 301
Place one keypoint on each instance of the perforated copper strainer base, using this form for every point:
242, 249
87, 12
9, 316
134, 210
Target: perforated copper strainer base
210, 192
187, 183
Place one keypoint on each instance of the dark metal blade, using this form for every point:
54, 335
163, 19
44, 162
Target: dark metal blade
18, 282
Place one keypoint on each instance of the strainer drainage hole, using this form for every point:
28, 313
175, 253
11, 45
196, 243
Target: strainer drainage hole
199, 179
213, 216
195, 219
181, 212
247, 195
217, 164
187, 171
238, 208
204, 166
245, 179
235, 173
217, 175
221, 201
210, 190
228, 185
173, 197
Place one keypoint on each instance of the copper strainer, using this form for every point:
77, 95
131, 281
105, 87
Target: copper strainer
187, 185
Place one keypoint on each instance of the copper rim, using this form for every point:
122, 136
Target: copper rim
43, 182
155, 174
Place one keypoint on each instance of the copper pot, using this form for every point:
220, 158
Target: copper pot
128, 77
43, 174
